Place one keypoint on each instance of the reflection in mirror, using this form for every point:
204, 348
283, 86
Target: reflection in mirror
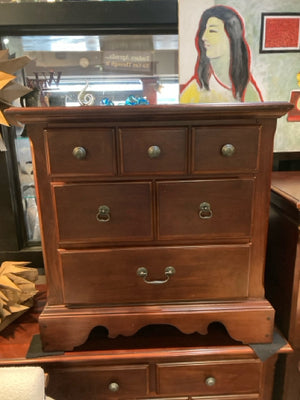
76, 70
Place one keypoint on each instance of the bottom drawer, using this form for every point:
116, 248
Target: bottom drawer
109, 276
99, 383
233, 377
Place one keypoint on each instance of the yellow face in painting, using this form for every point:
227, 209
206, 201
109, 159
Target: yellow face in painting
216, 41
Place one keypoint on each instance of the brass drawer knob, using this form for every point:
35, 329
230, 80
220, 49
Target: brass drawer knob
103, 214
210, 381
228, 150
154, 151
205, 211
143, 273
114, 387
79, 153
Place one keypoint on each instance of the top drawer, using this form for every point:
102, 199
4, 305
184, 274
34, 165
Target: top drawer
225, 149
80, 151
153, 150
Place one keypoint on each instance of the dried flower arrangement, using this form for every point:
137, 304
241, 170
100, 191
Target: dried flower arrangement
10, 90
17, 289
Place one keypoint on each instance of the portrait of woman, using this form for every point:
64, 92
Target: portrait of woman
222, 70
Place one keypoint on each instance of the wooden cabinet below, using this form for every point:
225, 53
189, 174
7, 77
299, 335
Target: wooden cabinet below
158, 362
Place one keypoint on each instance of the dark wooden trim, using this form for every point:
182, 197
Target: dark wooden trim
147, 16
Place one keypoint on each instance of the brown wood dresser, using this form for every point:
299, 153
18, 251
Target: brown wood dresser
155, 363
153, 215
283, 272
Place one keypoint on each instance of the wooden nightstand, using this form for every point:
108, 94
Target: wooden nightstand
153, 215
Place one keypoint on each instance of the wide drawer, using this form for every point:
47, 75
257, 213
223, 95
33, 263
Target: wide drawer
155, 150
80, 151
205, 209
103, 212
99, 382
209, 378
225, 149
113, 276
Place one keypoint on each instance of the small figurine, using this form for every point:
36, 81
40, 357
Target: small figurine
84, 98
133, 101
106, 102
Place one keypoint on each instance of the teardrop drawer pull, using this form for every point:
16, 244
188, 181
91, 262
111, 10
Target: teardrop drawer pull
79, 153
143, 273
103, 214
205, 211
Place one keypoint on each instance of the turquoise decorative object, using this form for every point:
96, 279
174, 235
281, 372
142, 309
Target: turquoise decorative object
133, 101
107, 102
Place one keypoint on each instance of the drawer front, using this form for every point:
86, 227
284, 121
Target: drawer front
205, 209
111, 276
99, 382
153, 150
209, 378
103, 212
81, 151
225, 149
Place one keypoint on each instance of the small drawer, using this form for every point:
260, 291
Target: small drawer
99, 382
106, 212
209, 378
155, 150
124, 276
80, 151
225, 149
205, 209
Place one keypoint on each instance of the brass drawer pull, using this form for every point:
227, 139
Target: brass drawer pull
228, 150
210, 381
103, 214
79, 153
154, 151
205, 211
114, 387
143, 273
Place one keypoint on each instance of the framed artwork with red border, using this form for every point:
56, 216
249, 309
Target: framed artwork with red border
294, 114
280, 32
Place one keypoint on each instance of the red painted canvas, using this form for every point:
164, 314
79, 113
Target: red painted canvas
281, 32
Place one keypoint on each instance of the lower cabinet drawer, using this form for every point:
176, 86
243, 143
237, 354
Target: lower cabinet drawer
200, 273
215, 378
99, 382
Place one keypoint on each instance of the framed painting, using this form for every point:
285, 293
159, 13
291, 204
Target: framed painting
280, 32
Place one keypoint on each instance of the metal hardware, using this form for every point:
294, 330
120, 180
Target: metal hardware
79, 153
210, 381
114, 387
143, 273
205, 211
228, 150
103, 214
154, 151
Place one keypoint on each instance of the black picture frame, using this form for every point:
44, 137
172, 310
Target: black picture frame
271, 17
